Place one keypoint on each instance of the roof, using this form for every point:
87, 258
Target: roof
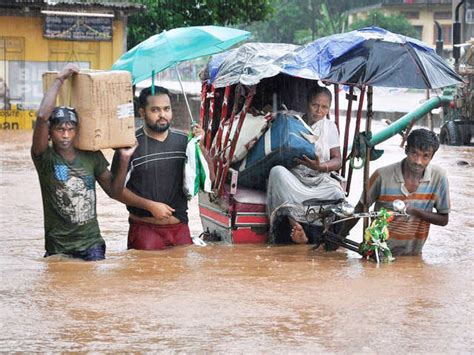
401, 4
104, 3
130, 6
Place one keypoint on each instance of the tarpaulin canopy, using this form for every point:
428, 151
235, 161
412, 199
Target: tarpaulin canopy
373, 56
248, 64
370, 56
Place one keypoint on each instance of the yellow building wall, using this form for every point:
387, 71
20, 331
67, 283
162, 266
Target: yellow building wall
23, 38
426, 19
17, 119
429, 34
38, 48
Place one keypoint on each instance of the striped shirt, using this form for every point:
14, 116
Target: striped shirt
156, 172
408, 234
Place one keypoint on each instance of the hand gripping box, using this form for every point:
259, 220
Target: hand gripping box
104, 104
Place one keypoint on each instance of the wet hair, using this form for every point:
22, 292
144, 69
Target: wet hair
63, 114
318, 90
159, 90
423, 140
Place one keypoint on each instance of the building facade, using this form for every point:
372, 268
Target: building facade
422, 14
466, 18
43, 35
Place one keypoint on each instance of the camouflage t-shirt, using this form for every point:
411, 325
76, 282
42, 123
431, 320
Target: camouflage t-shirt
69, 200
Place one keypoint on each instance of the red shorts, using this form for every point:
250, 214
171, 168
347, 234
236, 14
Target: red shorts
149, 236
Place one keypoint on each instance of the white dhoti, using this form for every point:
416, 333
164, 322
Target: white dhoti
286, 193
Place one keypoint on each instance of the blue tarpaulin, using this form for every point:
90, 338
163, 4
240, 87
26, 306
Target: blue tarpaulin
370, 56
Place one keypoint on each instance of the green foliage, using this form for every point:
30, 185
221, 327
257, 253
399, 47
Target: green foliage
393, 23
301, 21
167, 14
375, 238
288, 17
326, 25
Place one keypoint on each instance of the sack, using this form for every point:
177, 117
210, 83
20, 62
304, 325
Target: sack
196, 170
252, 128
285, 140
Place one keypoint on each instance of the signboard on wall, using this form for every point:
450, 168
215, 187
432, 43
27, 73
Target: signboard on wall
78, 28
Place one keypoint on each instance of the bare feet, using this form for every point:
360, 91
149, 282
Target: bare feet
298, 235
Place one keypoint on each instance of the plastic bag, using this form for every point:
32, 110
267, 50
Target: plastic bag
196, 170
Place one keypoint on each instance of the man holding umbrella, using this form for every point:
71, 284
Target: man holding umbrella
153, 192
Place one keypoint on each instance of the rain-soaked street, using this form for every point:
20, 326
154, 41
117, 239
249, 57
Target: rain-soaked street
231, 298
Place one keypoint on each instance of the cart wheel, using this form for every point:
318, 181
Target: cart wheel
450, 134
467, 139
329, 246
335, 228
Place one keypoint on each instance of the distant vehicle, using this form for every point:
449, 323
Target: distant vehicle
458, 118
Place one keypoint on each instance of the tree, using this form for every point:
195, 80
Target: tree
288, 17
301, 21
393, 23
339, 6
166, 14
326, 24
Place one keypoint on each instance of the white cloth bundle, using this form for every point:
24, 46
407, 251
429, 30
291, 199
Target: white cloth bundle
196, 170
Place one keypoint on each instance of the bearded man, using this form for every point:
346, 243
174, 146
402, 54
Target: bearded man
153, 192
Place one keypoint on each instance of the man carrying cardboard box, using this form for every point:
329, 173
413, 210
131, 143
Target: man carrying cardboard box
154, 191
67, 177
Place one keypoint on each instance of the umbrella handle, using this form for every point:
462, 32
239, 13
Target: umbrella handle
185, 97
153, 82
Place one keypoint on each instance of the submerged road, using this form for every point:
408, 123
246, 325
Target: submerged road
231, 298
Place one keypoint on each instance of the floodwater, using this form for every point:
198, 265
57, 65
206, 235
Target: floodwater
231, 298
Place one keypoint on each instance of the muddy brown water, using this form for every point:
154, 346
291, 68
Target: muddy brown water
231, 298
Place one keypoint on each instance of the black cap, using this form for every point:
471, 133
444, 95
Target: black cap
63, 114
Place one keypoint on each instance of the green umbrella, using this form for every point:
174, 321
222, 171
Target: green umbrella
168, 48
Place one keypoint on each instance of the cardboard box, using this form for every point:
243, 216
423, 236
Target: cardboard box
104, 103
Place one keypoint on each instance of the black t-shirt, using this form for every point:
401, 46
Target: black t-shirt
156, 172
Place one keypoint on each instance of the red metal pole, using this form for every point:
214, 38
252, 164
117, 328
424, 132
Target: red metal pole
222, 156
217, 150
211, 117
225, 105
202, 109
368, 127
243, 113
346, 131
356, 132
336, 106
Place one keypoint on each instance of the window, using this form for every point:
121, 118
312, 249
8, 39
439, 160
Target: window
412, 15
447, 34
470, 16
444, 15
419, 32
11, 48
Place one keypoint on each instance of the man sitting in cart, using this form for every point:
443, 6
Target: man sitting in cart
421, 185
310, 179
